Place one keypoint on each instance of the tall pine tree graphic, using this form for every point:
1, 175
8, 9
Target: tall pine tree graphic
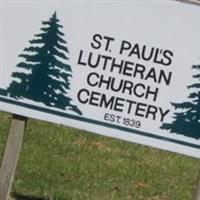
187, 115
46, 75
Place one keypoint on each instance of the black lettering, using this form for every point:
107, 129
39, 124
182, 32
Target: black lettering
80, 62
139, 69
152, 92
151, 110
137, 88
125, 45
108, 41
119, 106
163, 114
81, 97
114, 86
128, 68
106, 117
93, 76
96, 44
151, 74
144, 53
107, 103
168, 55
112, 118
118, 66
96, 60
140, 109
130, 105
94, 99
127, 86
157, 55
135, 50
105, 81
106, 58
165, 77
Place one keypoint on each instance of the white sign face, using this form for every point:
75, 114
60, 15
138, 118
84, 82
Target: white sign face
129, 70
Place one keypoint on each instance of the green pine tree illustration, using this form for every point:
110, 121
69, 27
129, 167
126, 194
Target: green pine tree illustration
187, 115
46, 75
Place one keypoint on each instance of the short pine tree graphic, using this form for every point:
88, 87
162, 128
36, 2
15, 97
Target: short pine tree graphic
187, 118
46, 76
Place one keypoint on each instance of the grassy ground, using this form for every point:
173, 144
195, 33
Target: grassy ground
59, 163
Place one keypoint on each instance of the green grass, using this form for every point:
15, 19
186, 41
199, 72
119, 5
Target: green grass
60, 163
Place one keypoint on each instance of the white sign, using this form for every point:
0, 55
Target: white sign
129, 70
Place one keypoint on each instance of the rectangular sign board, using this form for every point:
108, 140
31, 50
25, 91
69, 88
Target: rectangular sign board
128, 70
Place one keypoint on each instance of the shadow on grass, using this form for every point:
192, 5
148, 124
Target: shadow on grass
24, 197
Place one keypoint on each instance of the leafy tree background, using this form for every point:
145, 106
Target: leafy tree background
187, 115
46, 75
